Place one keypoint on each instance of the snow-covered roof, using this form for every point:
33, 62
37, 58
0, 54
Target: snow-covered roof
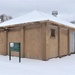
35, 16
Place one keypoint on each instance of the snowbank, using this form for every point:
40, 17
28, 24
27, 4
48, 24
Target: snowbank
57, 66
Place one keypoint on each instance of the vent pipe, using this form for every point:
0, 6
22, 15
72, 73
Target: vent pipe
55, 13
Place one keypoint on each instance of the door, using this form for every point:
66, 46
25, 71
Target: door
72, 42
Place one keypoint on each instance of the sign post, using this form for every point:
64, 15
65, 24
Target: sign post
14, 47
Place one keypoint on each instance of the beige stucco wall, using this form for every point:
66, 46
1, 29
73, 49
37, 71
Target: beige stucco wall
33, 41
63, 42
2, 41
51, 43
14, 36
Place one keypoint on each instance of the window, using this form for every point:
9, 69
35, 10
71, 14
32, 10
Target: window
52, 32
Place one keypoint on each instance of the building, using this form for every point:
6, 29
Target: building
41, 36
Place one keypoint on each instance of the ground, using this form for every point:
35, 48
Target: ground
56, 66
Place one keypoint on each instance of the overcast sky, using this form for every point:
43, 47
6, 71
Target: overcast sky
15, 8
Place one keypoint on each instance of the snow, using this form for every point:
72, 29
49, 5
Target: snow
56, 66
35, 16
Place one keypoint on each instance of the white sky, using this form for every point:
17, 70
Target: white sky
19, 7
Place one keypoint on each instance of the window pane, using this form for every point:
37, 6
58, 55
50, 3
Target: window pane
52, 32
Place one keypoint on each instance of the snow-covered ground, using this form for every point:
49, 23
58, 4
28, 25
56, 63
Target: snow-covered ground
56, 66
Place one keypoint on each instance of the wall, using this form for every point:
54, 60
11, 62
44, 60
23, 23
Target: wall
2, 43
14, 36
33, 41
51, 43
63, 50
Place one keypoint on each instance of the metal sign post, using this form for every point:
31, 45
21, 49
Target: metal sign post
14, 47
19, 54
9, 53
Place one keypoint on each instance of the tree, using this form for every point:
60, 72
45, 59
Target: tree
4, 17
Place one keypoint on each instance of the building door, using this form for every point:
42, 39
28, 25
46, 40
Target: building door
72, 42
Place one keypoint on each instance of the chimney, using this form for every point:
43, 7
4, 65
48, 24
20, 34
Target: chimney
55, 13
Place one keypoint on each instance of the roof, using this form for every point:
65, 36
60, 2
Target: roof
35, 16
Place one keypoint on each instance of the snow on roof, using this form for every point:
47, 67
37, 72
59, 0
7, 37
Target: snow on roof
35, 16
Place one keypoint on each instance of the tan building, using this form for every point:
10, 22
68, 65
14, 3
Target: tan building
41, 36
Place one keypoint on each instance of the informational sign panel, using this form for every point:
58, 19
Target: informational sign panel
14, 47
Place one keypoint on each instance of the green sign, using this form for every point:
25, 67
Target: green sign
15, 47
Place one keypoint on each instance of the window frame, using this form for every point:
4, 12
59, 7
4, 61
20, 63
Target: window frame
52, 33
